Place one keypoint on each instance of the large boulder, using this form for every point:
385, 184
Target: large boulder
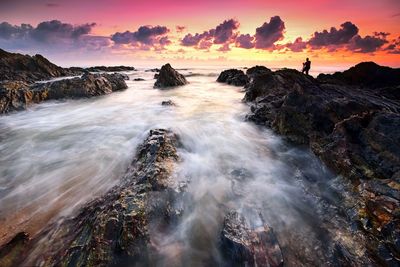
169, 77
115, 229
353, 129
233, 77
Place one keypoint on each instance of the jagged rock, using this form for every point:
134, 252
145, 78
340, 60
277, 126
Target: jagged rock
114, 230
353, 129
17, 67
243, 245
168, 103
168, 77
233, 77
16, 96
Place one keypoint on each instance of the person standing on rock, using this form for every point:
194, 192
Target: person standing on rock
306, 66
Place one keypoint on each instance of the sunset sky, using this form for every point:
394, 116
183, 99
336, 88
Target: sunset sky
276, 33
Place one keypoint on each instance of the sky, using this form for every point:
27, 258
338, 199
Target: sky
274, 33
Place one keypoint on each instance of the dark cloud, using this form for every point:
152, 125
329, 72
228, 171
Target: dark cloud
52, 30
145, 37
52, 5
394, 46
334, 36
297, 46
223, 33
245, 41
50, 37
180, 28
194, 40
269, 33
8, 31
224, 48
367, 44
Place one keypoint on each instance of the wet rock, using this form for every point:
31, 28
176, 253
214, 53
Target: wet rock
233, 77
168, 103
242, 245
115, 229
15, 95
350, 126
169, 77
10, 252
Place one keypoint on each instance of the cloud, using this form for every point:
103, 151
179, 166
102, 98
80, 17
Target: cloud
50, 37
269, 33
144, 38
334, 36
8, 31
394, 46
367, 44
346, 38
245, 41
297, 46
223, 33
180, 28
52, 30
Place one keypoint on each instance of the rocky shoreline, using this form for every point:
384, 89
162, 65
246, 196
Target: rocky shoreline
350, 121
20, 74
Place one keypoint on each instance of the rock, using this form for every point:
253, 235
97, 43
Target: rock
153, 70
168, 103
138, 79
169, 77
16, 96
10, 252
367, 74
257, 70
17, 67
349, 126
242, 245
233, 77
110, 68
116, 229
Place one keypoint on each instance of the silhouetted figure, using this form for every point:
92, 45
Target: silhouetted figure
306, 66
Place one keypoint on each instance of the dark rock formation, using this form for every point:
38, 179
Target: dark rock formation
367, 74
243, 245
138, 79
233, 77
17, 67
353, 129
16, 95
168, 103
109, 69
257, 70
169, 77
114, 230
153, 70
